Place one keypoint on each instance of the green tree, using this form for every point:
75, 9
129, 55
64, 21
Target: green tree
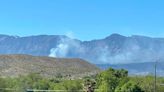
129, 87
69, 85
108, 80
2, 85
145, 82
89, 85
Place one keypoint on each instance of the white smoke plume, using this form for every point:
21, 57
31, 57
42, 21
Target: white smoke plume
130, 52
65, 46
60, 51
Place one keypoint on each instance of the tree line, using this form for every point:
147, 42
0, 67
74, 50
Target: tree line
110, 80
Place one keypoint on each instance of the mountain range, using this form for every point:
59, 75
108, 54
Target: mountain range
114, 49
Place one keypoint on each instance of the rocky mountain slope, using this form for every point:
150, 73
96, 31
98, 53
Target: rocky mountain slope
15, 65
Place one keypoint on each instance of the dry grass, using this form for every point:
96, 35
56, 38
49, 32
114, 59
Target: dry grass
15, 65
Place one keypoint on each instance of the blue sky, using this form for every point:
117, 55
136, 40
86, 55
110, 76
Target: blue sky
86, 19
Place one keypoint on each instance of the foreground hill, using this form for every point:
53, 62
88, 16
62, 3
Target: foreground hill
14, 65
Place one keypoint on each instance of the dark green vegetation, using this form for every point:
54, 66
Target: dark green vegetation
110, 80
34, 81
116, 81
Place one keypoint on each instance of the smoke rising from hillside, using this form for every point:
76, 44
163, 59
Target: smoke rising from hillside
129, 52
66, 47
60, 51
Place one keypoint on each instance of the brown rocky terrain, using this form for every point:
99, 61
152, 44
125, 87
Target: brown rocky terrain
15, 65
